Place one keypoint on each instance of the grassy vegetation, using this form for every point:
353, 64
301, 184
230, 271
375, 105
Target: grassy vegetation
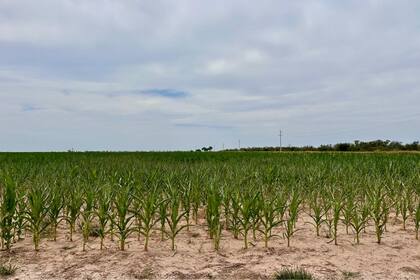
7, 269
249, 195
290, 273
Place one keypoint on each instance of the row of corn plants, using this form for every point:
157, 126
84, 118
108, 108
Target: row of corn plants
254, 197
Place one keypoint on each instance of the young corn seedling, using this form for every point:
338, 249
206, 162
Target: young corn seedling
246, 209
163, 213
209, 209
74, 203
316, 212
174, 218
256, 219
226, 201
175, 214
55, 207
214, 202
87, 213
195, 201
38, 207
147, 214
281, 204
102, 213
136, 209
379, 211
348, 210
186, 201
293, 212
417, 219
7, 211
337, 206
234, 216
122, 218
405, 203
329, 217
359, 219
20, 221
269, 217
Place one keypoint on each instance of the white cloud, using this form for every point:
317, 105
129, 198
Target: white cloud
220, 66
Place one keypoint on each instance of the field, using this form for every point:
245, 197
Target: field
206, 215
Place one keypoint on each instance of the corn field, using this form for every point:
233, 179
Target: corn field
248, 196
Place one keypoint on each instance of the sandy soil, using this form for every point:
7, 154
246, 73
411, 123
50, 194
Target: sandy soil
397, 258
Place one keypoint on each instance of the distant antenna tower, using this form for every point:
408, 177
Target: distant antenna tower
280, 139
239, 144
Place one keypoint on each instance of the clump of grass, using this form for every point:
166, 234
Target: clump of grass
7, 269
293, 273
350, 274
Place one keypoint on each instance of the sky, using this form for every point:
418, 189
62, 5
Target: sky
180, 75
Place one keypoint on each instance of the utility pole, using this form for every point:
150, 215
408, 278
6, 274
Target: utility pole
280, 139
239, 144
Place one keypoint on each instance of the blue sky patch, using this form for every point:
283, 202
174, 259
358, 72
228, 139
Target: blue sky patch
30, 108
169, 93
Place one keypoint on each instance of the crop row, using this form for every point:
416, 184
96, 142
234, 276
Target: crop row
249, 197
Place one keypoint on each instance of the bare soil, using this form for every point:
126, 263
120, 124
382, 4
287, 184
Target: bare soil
398, 257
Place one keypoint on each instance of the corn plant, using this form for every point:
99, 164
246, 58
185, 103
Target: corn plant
329, 217
186, 191
226, 202
281, 203
316, 211
256, 219
102, 213
38, 208
136, 209
87, 213
214, 202
359, 219
348, 209
147, 213
123, 217
20, 221
247, 205
174, 217
234, 215
292, 215
269, 217
405, 204
417, 219
7, 211
55, 208
337, 206
74, 201
379, 211
163, 213
195, 201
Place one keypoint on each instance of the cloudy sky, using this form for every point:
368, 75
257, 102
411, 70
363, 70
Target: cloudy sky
167, 75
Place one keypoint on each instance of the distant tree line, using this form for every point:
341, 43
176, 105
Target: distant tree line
205, 149
357, 146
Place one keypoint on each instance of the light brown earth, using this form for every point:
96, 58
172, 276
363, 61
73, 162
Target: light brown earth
397, 258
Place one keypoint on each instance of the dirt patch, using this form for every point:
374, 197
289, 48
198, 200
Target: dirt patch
397, 258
